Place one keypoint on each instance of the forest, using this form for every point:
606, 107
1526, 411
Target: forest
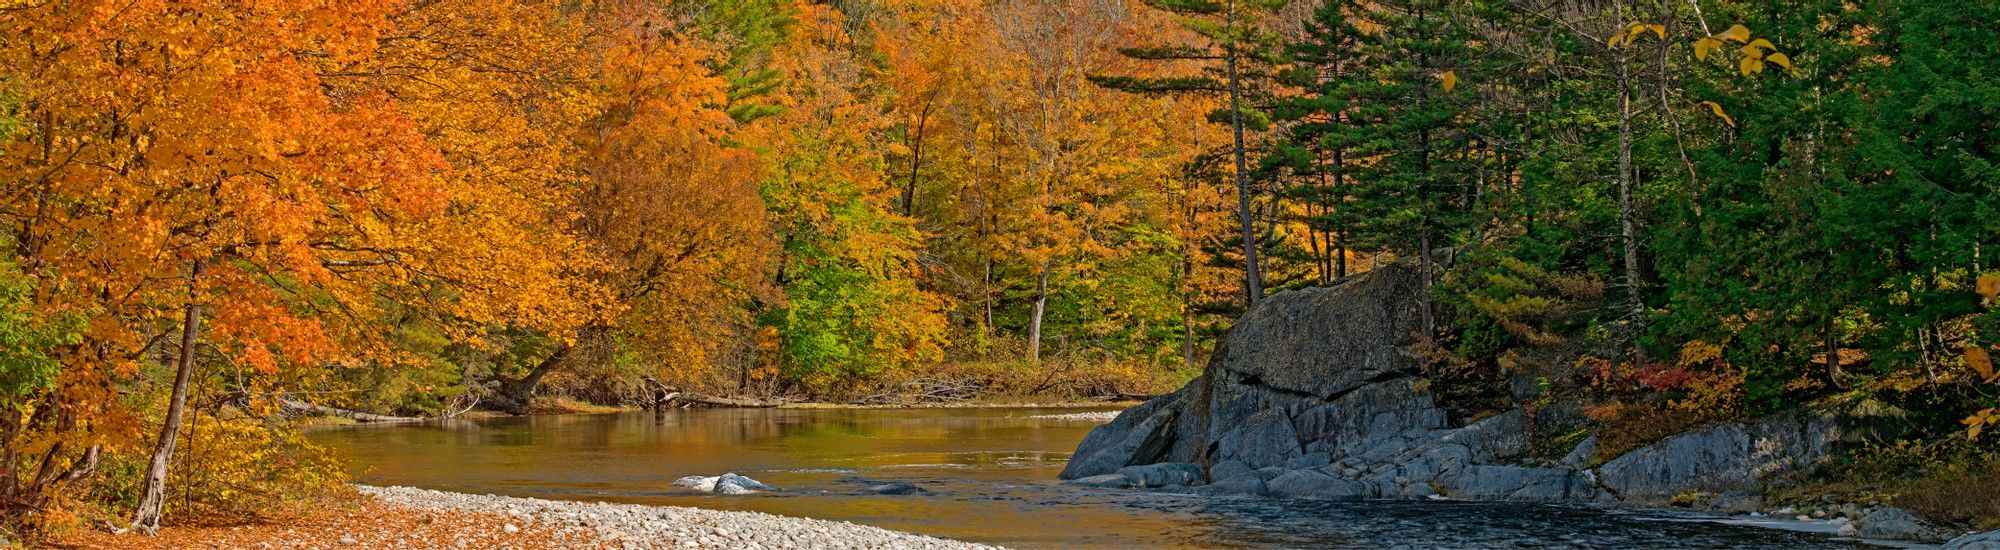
217, 212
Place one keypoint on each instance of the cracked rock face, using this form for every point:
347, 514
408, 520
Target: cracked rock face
1315, 394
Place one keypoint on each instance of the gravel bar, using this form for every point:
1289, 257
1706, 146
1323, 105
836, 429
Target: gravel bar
639, 526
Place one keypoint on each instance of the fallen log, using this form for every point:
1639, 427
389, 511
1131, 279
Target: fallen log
1122, 396
295, 407
695, 399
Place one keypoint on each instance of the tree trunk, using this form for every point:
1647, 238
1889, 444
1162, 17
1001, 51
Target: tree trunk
517, 396
1253, 284
1627, 222
1339, 216
1035, 319
153, 493
916, 157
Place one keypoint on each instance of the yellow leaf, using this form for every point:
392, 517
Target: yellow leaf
1781, 60
1450, 80
1705, 45
1713, 107
1988, 286
1614, 40
1760, 43
1658, 30
1751, 65
1980, 362
1736, 32
1978, 421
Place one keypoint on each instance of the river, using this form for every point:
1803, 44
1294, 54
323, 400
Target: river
990, 476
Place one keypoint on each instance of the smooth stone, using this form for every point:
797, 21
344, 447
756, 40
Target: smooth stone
1898, 524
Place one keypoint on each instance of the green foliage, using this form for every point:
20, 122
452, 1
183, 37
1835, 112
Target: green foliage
853, 307
747, 31
28, 339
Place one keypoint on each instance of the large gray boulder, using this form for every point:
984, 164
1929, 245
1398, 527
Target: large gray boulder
1315, 393
1327, 341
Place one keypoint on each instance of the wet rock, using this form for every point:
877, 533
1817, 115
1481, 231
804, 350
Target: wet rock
1165, 474
1316, 484
1488, 482
727, 484
1228, 469
1103, 480
1248, 484
1736, 502
704, 484
1989, 540
1898, 524
894, 488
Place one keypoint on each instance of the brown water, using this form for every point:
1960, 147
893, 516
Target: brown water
990, 476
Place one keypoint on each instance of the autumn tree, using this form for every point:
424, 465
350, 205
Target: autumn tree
1232, 27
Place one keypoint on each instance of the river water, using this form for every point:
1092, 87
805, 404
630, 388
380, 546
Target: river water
990, 476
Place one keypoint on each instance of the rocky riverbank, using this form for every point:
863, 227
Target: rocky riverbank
1318, 393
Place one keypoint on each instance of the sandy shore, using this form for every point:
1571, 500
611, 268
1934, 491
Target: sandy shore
403, 517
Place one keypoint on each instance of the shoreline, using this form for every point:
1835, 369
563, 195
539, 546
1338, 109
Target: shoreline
616, 525
409, 517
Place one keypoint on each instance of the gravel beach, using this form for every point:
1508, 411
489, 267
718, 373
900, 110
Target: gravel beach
638, 526
409, 518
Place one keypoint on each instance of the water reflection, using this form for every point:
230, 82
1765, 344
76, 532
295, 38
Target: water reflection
989, 476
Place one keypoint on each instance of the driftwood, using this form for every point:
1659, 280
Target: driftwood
689, 399
927, 390
662, 396
1122, 396
294, 406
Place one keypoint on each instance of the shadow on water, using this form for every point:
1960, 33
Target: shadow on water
988, 476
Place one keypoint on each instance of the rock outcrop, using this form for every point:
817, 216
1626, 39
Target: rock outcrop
1316, 394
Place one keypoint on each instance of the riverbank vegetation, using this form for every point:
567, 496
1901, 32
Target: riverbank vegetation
1686, 211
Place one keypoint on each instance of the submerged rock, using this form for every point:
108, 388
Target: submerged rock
727, 484
895, 488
